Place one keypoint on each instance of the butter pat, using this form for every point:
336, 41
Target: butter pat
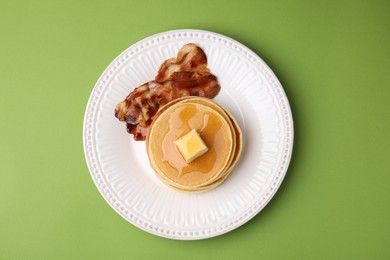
191, 146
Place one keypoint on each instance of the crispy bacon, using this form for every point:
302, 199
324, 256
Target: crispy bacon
187, 75
190, 58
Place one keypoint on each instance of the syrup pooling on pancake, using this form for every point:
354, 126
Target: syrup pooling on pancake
210, 127
196, 184
177, 121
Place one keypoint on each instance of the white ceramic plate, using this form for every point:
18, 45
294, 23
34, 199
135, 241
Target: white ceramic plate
119, 166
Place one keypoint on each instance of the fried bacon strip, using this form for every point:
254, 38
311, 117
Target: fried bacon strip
190, 58
185, 75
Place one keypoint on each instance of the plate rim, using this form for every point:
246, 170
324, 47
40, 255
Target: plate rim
280, 169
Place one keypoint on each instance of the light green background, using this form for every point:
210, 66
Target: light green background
332, 58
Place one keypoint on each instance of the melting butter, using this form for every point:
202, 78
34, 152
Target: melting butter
191, 146
181, 121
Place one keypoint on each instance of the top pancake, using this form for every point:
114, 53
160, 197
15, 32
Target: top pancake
177, 120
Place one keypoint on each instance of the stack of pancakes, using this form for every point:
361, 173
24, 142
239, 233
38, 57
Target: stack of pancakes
217, 128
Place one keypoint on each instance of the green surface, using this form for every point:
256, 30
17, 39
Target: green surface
333, 59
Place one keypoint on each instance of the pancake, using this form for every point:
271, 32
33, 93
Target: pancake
217, 128
178, 120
